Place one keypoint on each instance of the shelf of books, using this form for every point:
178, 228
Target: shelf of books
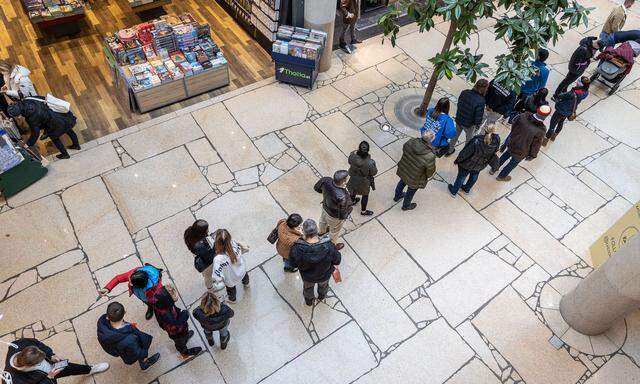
59, 17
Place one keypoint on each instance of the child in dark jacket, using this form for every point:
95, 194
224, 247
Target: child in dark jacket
214, 316
174, 321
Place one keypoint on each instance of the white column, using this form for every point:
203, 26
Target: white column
321, 15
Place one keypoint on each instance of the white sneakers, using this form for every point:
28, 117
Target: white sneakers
99, 368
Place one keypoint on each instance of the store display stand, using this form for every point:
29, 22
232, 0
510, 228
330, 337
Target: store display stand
22, 175
296, 70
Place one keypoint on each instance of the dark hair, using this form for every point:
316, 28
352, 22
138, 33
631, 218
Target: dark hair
442, 106
294, 220
29, 357
540, 97
139, 279
340, 176
223, 244
363, 149
196, 232
481, 86
115, 312
543, 54
586, 83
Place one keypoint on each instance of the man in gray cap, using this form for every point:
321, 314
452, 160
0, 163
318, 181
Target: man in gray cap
316, 258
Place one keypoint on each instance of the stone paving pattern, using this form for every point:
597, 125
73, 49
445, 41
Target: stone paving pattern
460, 290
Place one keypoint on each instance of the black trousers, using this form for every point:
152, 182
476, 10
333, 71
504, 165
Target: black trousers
58, 143
74, 370
568, 80
181, 342
556, 124
363, 202
345, 28
232, 291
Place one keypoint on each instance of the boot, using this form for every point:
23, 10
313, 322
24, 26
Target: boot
144, 365
63, 156
210, 340
224, 341
553, 137
76, 147
545, 141
149, 313
191, 352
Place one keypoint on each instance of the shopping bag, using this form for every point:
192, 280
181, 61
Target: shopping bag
337, 277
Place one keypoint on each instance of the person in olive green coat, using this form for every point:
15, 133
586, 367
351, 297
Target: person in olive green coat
417, 165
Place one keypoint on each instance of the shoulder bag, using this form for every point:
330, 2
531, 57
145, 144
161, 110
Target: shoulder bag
273, 236
575, 107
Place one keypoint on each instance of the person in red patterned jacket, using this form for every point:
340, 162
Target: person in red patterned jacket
174, 321
144, 282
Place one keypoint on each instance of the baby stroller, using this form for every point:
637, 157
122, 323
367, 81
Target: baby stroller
615, 64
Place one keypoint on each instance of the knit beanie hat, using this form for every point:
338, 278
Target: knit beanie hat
542, 113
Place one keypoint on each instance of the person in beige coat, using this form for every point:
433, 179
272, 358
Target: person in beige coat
288, 232
615, 22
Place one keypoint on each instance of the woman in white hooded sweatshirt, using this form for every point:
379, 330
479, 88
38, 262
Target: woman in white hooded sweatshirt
17, 84
228, 265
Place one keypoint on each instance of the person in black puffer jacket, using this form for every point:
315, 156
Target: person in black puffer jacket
214, 316
579, 62
474, 157
195, 237
500, 101
316, 259
40, 117
336, 204
471, 103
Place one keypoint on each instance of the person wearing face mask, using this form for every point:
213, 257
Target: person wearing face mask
362, 169
566, 108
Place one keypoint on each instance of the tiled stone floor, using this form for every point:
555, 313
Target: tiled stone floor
460, 290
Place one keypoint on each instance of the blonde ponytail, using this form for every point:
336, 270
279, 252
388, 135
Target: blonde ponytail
488, 132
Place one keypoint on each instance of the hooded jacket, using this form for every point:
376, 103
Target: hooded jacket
500, 99
31, 377
526, 136
286, 237
315, 261
470, 108
418, 163
128, 342
361, 172
19, 85
145, 294
447, 129
335, 200
537, 81
476, 155
172, 319
568, 102
214, 322
226, 273
582, 56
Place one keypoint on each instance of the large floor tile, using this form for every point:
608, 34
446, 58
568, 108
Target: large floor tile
65, 344
443, 222
386, 259
413, 44
474, 372
370, 53
468, 287
617, 118
564, 185
161, 137
156, 188
385, 322
564, 149
265, 334
620, 169
551, 217
97, 223
620, 369
294, 192
34, 233
315, 146
325, 98
344, 356
229, 140
62, 174
347, 136
52, 300
234, 210
437, 344
515, 331
529, 236
358, 85
381, 199
396, 71
283, 106
587, 232
197, 371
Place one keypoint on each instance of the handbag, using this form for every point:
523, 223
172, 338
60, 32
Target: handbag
54, 103
575, 106
273, 236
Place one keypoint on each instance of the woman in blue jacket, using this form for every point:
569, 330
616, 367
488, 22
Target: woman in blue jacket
566, 106
441, 124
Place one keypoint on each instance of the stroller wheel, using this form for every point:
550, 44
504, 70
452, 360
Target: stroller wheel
595, 77
614, 89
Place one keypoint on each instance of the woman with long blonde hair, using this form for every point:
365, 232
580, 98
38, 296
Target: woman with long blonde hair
214, 316
474, 157
228, 264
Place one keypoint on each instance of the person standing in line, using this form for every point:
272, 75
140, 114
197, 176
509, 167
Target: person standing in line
525, 140
336, 204
229, 268
174, 321
566, 108
417, 165
316, 259
288, 232
29, 361
214, 316
539, 80
470, 112
196, 237
474, 157
615, 22
348, 9
500, 102
123, 339
441, 124
144, 282
362, 170
579, 62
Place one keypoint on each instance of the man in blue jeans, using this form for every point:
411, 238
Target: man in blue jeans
527, 132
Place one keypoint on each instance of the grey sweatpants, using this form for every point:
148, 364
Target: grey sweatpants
469, 132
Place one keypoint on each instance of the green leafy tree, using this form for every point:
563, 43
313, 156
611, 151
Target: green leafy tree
525, 25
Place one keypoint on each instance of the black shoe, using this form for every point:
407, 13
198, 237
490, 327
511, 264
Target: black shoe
290, 269
450, 188
450, 152
554, 98
191, 352
211, 341
190, 335
355, 201
366, 213
465, 190
245, 280
224, 341
321, 297
63, 156
410, 207
144, 365
76, 147
339, 246
396, 199
345, 48
149, 313
309, 302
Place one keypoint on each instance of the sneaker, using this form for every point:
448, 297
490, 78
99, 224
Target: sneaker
553, 137
224, 341
450, 188
396, 199
339, 246
99, 368
451, 151
191, 352
309, 302
149, 313
211, 341
230, 300
545, 141
410, 207
290, 269
506, 178
63, 156
345, 48
492, 172
76, 147
144, 365
355, 201
366, 213
466, 192
321, 297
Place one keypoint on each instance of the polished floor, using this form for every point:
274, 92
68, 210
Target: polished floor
74, 68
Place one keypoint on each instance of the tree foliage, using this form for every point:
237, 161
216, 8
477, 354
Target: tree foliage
525, 25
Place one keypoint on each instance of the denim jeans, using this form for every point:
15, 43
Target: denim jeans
222, 332
462, 176
622, 36
408, 196
510, 166
307, 291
